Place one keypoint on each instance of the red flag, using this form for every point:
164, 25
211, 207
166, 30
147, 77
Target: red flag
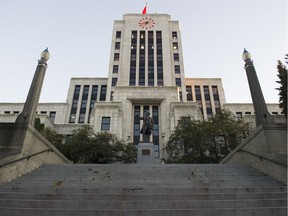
144, 9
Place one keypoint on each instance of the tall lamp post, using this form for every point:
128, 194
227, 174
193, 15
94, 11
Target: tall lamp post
261, 111
27, 116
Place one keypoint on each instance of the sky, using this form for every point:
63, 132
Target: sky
78, 35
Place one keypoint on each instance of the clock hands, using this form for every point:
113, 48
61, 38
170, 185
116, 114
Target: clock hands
146, 23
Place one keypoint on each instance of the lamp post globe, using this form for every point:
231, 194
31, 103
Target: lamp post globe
45, 54
246, 56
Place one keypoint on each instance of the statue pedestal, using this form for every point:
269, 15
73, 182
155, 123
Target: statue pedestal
145, 153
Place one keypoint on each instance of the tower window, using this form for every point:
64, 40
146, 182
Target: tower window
114, 81
117, 45
178, 81
176, 57
175, 46
174, 35
116, 56
115, 68
177, 68
118, 34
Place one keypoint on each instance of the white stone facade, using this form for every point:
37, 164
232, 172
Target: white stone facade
146, 72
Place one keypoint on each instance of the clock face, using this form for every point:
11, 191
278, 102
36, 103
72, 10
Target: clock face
146, 23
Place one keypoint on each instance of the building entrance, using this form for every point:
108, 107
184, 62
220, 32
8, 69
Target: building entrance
137, 125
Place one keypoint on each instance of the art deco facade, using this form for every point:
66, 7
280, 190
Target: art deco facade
146, 73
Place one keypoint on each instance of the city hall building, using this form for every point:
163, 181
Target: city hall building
145, 73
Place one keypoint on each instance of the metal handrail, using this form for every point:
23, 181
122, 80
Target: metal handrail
262, 157
27, 157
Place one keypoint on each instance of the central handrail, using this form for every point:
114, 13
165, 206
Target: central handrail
26, 157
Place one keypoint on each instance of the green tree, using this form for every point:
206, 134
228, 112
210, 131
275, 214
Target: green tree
86, 146
38, 125
195, 141
282, 75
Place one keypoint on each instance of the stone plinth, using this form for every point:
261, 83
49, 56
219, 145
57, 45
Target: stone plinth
145, 153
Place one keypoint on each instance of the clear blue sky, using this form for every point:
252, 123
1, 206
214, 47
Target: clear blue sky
78, 34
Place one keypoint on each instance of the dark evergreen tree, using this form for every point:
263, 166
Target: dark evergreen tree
282, 75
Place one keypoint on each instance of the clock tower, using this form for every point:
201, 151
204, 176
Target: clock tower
146, 74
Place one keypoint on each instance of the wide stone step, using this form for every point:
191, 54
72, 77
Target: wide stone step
263, 211
110, 205
176, 189
116, 189
131, 196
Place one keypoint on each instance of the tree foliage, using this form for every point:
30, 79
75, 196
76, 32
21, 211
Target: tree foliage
282, 75
195, 141
86, 146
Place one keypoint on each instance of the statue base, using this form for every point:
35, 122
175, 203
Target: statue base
145, 153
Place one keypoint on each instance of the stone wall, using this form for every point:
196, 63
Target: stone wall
264, 150
34, 143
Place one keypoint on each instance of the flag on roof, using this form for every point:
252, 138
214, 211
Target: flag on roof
144, 9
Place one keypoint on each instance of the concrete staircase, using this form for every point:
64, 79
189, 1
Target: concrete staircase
126, 190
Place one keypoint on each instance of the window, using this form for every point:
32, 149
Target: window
115, 68
52, 115
247, 113
93, 99
111, 96
83, 104
132, 77
114, 81
215, 92
177, 68
116, 56
238, 115
197, 93
189, 93
174, 35
178, 81
6, 112
103, 93
175, 45
82, 118
74, 104
206, 92
159, 57
105, 124
72, 118
274, 113
117, 45
43, 112
118, 34
176, 57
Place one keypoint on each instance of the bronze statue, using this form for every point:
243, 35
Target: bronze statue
147, 126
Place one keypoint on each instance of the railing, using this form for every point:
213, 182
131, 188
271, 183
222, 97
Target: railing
262, 157
26, 157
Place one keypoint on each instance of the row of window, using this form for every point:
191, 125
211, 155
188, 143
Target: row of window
152, 67
207, 98
240, 115
84, 100
52, 114
177, 69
